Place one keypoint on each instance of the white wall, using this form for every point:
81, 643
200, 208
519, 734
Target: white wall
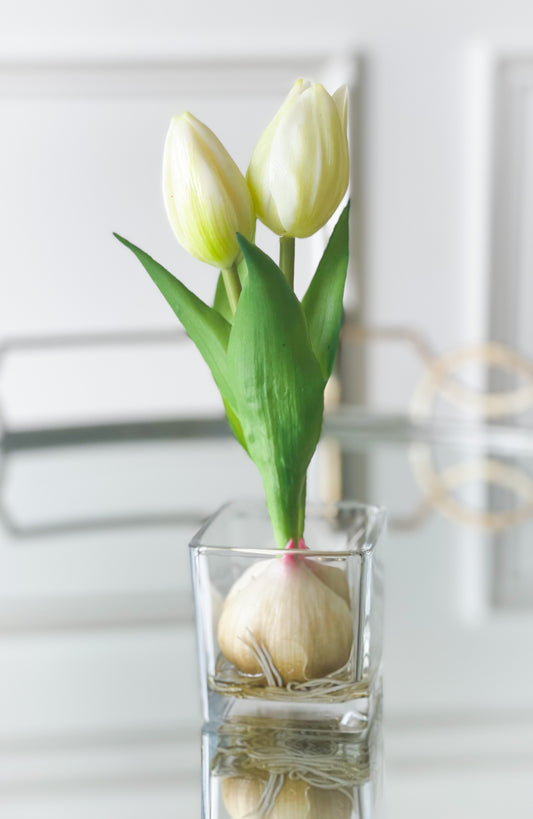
421, 240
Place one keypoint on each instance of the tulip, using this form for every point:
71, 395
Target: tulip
206, 196
299, 170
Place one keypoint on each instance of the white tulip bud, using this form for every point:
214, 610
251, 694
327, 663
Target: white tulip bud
299, 170
205, 194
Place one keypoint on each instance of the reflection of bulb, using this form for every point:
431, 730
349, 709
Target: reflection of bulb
282, 798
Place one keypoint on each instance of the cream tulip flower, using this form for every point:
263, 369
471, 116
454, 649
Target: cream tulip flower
205, 194
299, 170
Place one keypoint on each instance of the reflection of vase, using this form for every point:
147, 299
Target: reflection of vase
262, 768
290, 634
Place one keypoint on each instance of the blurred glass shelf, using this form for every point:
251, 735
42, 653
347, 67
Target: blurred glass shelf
354, 427
97, 653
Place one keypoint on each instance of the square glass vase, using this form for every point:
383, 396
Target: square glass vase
290, 635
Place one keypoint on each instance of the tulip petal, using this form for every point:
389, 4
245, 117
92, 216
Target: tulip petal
308, 168
300, 167
206, 196
340, 98
258, 181
259, 172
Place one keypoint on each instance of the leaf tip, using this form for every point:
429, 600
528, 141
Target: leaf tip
244, 243
121, 239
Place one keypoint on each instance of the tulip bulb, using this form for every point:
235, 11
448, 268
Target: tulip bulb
288, 618
244, 798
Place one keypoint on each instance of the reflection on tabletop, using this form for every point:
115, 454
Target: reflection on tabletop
274, 769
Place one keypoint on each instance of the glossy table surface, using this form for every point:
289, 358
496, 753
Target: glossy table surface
99, 711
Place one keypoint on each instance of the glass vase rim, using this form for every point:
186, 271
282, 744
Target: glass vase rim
377, 517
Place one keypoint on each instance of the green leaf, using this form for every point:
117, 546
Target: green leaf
235, 424
322, 304
243, 271
221, 305
279, 387
206, 327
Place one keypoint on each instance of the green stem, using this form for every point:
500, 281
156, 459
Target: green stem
301, 521
232, 284
284, 500
286, 258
